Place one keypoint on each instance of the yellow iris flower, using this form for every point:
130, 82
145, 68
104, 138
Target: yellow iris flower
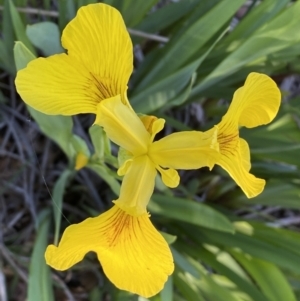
133, 254
92, 78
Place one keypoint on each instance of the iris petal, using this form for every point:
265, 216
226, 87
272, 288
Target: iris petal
185, 150
123, 126
236, 161
134, 255
138, 185
97, 37
256, 103
58, 85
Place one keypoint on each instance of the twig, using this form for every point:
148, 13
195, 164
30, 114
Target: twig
51, 13
3, 295
9, 259
149, 36
36, 11
288, 221
64, 287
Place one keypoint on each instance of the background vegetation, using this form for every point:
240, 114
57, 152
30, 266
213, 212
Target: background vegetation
190, 56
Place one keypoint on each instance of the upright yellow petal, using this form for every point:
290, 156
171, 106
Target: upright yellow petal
152, 124
58, 85
97, 37
256, 103
123, 126
185, 150
134, 255
234, 157
137, 186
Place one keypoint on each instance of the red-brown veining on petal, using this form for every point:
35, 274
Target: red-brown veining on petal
101, 87
228, 140
120, 227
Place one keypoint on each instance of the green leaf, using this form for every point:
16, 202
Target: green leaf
19, 28
278, 34
100, 141
258, 16
45, 36
86, 2
105, 173
167, 293
182, 262
22, 55
191, 212
180, 49
39, 282
67, 12
157, 20
224, 264
183, 95
168, 237
56, 127
250, 244
7, 44
186, 285
133, 11
267, 276
159, 94
57, 200
282, 238
80, 146
218, 288
276, 193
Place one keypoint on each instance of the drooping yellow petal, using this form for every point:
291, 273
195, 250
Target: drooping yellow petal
133, 254
97, 37
137, 186
58, 85
234, 157
245, 153
256, 103
169, 176
185, 150
123, 126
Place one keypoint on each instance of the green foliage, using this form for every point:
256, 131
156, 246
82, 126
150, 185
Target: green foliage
190, 212
46, 37
219, 254
57, 200
39, 282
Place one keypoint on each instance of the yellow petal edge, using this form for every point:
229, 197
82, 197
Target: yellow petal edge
133, 254
256, 103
